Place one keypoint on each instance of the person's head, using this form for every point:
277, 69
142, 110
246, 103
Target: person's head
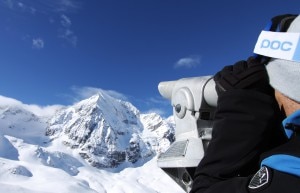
284, 67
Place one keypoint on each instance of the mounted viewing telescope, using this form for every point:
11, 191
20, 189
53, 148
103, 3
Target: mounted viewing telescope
193, 101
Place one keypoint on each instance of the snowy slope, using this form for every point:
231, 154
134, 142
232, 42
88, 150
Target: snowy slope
100, 144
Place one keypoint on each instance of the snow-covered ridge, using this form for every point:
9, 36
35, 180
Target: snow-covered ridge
101, 131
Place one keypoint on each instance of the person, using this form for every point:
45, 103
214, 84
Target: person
255, 145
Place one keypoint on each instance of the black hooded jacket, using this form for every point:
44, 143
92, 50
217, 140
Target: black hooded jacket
247, 124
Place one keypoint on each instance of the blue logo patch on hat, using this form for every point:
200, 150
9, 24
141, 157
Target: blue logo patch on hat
281, 45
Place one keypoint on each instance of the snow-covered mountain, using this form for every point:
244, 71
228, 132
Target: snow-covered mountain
100, 144
157, 131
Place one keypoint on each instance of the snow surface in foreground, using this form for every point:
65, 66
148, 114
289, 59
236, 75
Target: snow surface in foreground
31, 178
29, 168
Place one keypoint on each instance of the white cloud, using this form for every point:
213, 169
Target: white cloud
44, 6
43, 110
65, 21
32, 10
38, 43
68, 35
19, 6
65, 32
156, 104
53, 10
35, 109
159, 100
68, 5
157, 111
86, 92
188, 62
9, 101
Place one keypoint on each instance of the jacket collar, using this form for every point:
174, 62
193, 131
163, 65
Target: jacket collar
291, 124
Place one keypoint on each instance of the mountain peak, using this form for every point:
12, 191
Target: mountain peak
100, 95
107, 131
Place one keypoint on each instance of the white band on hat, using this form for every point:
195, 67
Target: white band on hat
281, 45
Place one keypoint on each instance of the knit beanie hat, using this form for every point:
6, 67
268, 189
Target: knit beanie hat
284, 71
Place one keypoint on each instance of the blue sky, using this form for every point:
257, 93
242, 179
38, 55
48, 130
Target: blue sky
60, 51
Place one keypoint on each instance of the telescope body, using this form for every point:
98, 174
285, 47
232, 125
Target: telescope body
193, 101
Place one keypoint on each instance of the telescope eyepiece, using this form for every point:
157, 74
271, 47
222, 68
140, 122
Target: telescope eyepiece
178, 108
